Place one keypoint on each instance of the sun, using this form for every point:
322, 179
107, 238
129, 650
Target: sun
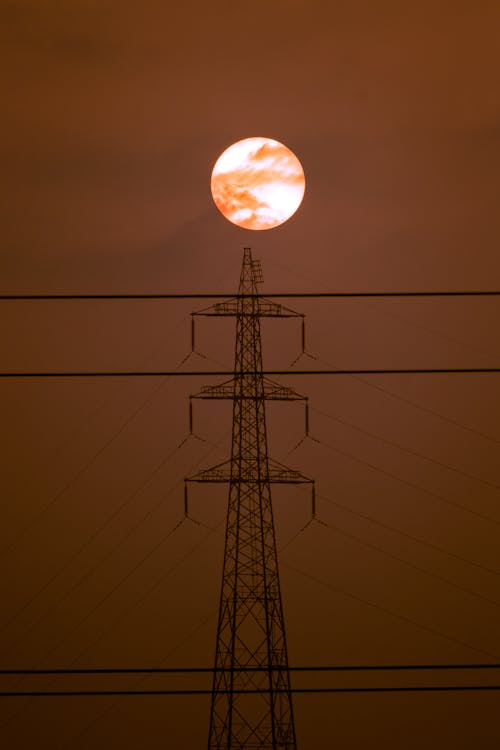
257, 183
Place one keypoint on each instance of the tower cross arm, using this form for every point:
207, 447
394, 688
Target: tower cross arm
264, 308
281, 474
249, 473
226, 390
270, 309
227, 308
219, 473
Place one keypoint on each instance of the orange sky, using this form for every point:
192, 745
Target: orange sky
114, 113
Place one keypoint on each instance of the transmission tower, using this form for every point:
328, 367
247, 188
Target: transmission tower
251, 700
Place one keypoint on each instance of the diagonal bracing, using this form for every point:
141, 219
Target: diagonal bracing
251, 651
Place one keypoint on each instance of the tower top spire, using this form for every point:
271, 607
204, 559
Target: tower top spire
251, 273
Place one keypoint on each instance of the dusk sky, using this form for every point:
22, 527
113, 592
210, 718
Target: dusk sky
114, 114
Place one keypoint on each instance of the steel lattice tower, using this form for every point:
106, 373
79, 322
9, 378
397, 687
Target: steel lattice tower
251, 700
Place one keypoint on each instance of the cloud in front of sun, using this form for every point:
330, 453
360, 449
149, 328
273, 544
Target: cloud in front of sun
257, 183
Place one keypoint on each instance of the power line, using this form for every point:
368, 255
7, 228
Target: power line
110, 627
403, 448
99, 693
408, 563
414, 485
282, 295
111, 704
226, 373
404, 400
198, 670
82, 470
144, 595
387, 611
395, 530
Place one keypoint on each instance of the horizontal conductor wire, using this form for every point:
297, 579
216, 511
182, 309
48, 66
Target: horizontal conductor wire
98, 693
232, 295
128, 609
403, 399
230, 373
88, 464
148, 590
109, 706
251, 668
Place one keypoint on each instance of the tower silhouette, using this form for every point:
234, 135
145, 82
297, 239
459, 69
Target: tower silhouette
251, 703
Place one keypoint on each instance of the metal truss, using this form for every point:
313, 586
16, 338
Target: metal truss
251, 703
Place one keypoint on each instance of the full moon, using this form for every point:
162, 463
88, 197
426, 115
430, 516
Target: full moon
257, 183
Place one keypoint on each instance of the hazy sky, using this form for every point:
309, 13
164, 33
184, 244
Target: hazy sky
114, 114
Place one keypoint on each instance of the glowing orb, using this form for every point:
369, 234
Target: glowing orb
257, 183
